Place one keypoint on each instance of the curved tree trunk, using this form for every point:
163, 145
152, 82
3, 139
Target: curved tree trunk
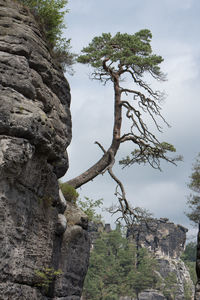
92, 172
108, 156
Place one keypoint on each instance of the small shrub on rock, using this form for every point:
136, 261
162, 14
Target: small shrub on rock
50, 16
69, 192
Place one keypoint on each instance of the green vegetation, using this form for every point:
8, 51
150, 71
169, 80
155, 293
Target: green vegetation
170, 287
50, 16
154, 153
187, 291
194, 197
89, 206
189, 258
45, 277
192, 270
130, 51
117, 268
69, 192
194, 215
190, 252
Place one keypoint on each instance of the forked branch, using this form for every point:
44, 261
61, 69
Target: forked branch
127, 213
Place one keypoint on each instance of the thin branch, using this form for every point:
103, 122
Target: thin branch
147, 105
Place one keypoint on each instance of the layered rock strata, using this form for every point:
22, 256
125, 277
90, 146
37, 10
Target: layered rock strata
167, 242
35, 130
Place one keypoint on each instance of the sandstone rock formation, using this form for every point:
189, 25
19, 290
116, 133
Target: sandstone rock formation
35, 130
167, 241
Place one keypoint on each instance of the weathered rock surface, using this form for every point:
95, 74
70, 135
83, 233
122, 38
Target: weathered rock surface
76, 245
35, 130
167, 241
75, 216
74, 255
35, 96
161, 236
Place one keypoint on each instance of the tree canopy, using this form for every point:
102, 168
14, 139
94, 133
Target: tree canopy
194, 214
194, 197
189, 258
117, 269
122, 53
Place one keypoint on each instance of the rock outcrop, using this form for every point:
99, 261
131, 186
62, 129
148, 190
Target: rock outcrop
74, 255
35, 130
167, 242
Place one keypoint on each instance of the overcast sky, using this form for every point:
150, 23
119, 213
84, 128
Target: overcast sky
175, 27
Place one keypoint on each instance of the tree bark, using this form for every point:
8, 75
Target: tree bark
92, 172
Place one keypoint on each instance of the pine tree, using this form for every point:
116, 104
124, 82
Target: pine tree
194, 197
118, 269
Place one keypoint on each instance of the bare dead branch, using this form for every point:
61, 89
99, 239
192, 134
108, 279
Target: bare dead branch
128, 214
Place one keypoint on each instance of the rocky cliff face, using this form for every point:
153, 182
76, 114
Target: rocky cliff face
35, 130
167, 241
160, 236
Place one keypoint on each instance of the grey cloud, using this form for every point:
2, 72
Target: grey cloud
174, 25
